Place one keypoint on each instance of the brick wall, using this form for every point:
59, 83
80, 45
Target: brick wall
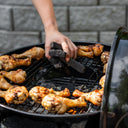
80, 20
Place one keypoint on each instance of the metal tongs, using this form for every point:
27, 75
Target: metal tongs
58, 58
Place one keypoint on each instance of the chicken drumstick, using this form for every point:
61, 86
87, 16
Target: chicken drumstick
85, 54
3, 83
85, 48
97, 49
94, 97
8, 62
15, 94
90, 50
38, 92
105, 57
105, 67
57, 104
102, 81
17, 76
34, 53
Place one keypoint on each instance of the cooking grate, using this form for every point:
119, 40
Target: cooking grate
42, 73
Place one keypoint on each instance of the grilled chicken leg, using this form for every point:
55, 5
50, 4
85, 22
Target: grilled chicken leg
90, 51
17, 76
85, 48
7, 62
105, 67
38, 92
85, 54
94, 97
57, 104
105, 57
3, 83
97, 49
34, 53
15, 94
102, 81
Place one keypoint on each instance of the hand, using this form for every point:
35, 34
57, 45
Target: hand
67, 45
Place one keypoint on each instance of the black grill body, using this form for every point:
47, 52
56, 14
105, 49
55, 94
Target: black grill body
43, 73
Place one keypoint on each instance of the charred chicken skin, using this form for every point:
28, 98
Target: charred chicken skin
8, 62
90, 51
105, 57
17, 76
34, 53
3, 83
59, 105
15, 94
94, 97
38, 92
97, 49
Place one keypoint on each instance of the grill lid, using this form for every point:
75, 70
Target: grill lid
115, 100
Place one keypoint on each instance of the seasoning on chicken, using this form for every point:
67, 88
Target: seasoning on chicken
17, 76
34, 53
105, 67
102, 81
94, 97
38, 92
59, 105
97, 49
105, 57
8, 62
85, 54
15, 94
90, 51
85, 48
3, 83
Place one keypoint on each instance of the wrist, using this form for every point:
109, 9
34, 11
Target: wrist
50, 27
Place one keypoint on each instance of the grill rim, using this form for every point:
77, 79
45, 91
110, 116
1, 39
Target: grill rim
50, 116
54, 115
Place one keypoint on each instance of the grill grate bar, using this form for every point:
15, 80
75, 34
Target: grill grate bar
42, 110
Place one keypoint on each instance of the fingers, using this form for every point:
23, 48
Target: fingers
66, 49
47, 48
67, 45
70, 49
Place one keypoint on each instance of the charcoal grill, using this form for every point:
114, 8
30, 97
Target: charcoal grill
43, 73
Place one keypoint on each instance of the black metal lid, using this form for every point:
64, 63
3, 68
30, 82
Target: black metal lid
115, 99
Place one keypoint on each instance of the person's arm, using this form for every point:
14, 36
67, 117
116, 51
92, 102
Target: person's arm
46, 12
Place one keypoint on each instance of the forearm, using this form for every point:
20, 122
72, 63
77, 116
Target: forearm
46, 12
52, 34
